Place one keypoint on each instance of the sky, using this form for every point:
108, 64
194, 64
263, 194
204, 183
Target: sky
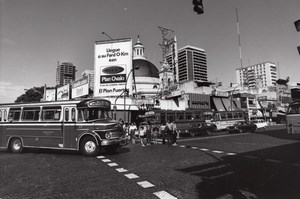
36, 34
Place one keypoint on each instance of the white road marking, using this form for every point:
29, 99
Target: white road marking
145, 184
121, 170
100, 157
106, 160
231, 153
164, 195
218, 151
203, 149
194, 147
113, 164
131, 176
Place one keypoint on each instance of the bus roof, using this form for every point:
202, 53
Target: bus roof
80, 103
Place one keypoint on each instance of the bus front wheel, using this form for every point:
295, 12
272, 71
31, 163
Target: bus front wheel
89, 147
16, 145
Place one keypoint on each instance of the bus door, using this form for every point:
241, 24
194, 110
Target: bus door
69, 128
293, 122
293, 118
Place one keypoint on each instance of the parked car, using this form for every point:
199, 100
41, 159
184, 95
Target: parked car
242, 126
260, 123
203, 128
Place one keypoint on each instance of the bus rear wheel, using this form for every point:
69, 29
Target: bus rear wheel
89, 147
15, 145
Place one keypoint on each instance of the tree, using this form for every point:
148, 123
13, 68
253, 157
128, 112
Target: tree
34, 94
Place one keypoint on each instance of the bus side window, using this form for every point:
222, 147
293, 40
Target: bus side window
31, 114
4, 117
197, 116
189, 116
14, 115
180, 116
223, 116
66, 114
235, 116
241, 116
73, 114
51, 113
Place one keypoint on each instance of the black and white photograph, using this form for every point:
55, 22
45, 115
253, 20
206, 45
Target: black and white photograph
160, 99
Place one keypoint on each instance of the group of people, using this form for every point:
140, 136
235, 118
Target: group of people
169, 133
146, 136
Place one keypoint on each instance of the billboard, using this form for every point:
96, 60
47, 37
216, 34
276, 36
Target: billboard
112, 65
50, 95
80, 87
63, 93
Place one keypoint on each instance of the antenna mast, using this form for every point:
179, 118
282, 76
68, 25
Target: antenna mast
167, 37
239, 37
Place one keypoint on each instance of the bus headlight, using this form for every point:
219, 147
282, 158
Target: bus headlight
107, 135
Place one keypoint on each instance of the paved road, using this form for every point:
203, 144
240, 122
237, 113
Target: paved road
265, 164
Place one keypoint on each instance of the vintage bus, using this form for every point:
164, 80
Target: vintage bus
82, 125
183, 119
293, 118
223, 119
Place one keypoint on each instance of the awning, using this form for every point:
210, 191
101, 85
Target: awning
218, 103
237, 104
227, 104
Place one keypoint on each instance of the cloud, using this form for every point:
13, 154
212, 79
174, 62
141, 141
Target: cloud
9, 92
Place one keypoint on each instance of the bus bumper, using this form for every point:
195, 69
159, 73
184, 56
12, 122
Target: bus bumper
121, 141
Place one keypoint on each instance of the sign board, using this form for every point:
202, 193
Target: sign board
63, 93
112, 65
50, 95
80, 87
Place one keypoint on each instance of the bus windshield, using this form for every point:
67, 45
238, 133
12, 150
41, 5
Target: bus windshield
92, 114
294, 108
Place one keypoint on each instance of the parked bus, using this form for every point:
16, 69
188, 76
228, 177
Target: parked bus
183, 119
223, 119
70, 125
293, 118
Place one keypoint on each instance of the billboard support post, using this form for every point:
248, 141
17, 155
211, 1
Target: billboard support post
125, 90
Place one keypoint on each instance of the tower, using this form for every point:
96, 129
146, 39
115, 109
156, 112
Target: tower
65, 73
138, 50
192, 64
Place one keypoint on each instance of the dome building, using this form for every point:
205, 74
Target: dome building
146, 74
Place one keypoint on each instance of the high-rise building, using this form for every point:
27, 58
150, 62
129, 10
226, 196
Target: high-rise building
192, 64
257, 76
90, 74
65, 73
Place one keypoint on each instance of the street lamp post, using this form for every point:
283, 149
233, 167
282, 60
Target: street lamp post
125, 90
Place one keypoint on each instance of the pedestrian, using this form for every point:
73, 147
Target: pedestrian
174, 133
148, 133
132, 129
142, 135
169, 130
162, 132
154, 135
